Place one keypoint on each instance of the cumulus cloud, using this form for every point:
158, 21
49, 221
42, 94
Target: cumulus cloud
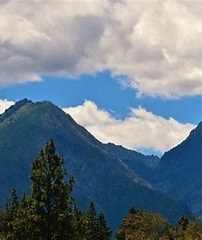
155, 43
5, 104
142, 129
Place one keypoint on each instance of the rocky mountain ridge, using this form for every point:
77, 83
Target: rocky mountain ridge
100, 175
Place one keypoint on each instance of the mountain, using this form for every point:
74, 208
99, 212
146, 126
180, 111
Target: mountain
143, 165
100, 175
179, 173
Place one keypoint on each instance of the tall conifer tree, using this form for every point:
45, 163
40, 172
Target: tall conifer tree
49, 212
51, 200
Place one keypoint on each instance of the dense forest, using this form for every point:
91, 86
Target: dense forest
50, 212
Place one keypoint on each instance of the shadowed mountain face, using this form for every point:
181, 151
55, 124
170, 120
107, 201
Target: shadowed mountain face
180, 171
144, 166
100, 175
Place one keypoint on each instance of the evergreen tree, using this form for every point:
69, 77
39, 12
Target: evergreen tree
80, 225
96, 225
8, 215
91, 222
50, 197
49, 212
103, 231
183, 223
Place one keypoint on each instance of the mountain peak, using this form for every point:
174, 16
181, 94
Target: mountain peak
179, 172
14, 108
27, 126
19, 104
23, 101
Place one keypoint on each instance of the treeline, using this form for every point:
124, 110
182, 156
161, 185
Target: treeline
50, 212
141, 225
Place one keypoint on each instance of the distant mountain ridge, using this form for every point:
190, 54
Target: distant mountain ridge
151, 161
100, 175
179, 173
143, 165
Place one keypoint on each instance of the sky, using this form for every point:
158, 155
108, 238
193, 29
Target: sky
129, 71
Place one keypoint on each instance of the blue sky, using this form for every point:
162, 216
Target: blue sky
107, 93
130, 72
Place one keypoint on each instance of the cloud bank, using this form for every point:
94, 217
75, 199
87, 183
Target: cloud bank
142, 129
156, 44
5, 104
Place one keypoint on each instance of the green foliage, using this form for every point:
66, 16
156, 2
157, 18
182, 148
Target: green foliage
140, 225
50, 198
50, 212
183, 223
113, 188
189, 229
8, 215
96, 225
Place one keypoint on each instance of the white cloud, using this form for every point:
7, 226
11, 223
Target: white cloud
5, 104
142, 129
156, 43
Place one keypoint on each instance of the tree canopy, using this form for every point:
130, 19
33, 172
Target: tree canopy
50, 212
141, 225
